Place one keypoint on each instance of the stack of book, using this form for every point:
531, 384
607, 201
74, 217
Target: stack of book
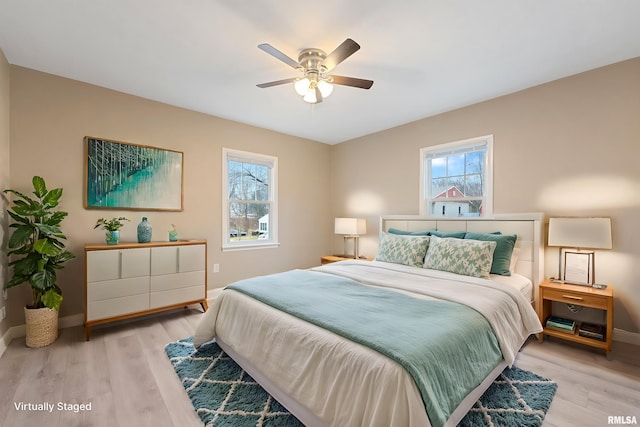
561, 324
589, 330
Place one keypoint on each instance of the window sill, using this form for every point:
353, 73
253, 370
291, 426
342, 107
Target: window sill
249, 246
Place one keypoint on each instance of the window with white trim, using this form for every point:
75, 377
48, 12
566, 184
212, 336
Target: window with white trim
456, 179
250, 204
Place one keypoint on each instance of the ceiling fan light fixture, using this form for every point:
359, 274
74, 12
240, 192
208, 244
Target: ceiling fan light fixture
302, 86
314, 63
310, 97
307, 89
325, 88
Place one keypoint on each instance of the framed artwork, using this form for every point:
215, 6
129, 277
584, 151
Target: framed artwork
578, 267
121, 175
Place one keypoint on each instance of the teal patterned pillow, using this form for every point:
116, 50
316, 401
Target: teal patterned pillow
407, 250
460, 256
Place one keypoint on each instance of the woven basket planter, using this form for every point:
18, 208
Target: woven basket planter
42, 326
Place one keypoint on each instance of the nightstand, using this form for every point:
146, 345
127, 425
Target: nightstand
328, 259
586, 296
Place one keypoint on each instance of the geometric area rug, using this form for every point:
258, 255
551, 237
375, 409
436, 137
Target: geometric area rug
224, 395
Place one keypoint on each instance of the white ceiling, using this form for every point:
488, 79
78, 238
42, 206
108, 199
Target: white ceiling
425, 56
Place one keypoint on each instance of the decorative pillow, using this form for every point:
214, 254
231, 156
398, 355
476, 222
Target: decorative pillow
453, 234
407, 250
504, 248
460, 256
410, 233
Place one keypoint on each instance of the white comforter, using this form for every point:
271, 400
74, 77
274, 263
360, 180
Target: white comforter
344, 383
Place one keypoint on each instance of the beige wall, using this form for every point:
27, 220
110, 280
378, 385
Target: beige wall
4, 173
51, 115
567, 148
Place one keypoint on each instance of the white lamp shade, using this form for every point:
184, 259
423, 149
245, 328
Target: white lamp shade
351, 226
310, 97
302, 86
325, 88
305, 89
583, 233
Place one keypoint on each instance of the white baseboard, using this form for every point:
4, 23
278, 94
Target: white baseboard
4, 341
626, 336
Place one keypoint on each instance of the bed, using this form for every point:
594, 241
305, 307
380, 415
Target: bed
289, 332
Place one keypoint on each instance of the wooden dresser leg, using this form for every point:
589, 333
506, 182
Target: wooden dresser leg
204, 305
87, 332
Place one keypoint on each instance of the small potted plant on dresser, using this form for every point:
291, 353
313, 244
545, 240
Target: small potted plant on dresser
112, 227
38, 240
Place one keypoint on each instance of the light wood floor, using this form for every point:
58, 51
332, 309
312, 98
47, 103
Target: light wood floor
129, 381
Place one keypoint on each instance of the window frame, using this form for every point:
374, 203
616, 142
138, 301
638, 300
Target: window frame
255, 158
425, 173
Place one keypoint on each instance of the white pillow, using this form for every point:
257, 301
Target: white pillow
514, 259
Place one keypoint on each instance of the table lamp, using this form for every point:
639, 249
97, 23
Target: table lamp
351, 228
581, 234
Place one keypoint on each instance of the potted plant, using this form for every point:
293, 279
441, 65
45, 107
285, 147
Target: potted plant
38, 240
112, 227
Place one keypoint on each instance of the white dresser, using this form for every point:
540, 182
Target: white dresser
133, 279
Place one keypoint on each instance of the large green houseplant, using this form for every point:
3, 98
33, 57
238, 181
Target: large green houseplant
36, 246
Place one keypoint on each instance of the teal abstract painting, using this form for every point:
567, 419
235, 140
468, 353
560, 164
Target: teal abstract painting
121, 175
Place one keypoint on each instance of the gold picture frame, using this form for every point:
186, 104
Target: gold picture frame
122, 175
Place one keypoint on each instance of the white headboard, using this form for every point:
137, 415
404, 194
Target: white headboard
528, 227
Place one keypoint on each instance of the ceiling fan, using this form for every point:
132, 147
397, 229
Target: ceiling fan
314, 63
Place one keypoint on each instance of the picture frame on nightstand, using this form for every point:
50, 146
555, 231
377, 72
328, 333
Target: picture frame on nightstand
578, 267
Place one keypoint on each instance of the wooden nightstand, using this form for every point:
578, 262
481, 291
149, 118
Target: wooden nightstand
328, 259
586, 296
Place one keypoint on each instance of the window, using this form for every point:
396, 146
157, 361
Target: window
250, 211
456, 179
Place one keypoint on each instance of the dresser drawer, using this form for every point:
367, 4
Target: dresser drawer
117, 306
569, 297
108, 289
176, 296
177, 281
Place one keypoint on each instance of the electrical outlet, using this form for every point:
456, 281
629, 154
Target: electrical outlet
216, 268
3, 313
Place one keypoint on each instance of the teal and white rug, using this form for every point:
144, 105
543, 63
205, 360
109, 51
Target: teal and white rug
224, 395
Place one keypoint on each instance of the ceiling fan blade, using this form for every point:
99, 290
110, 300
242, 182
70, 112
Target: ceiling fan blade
279, 55
277, 82
352, 81
342, 52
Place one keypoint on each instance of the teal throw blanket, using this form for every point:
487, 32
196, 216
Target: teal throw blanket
446, 347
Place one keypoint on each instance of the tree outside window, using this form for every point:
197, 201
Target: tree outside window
250, 211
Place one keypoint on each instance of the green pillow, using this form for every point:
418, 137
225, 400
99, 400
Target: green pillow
453, 234
407, 250
460, 256
409, 233
504, 248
